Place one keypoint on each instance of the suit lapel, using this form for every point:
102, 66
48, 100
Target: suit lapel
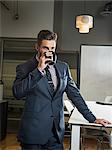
58, 73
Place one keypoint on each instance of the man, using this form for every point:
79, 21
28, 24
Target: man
42, 81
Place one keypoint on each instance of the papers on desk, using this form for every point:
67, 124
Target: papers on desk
104, 103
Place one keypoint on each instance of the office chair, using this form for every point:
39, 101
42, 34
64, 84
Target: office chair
100, 135
108, 99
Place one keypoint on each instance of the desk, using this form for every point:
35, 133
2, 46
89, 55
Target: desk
77, 120
3, 118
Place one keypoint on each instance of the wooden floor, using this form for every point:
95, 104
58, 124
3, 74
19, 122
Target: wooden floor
10, 143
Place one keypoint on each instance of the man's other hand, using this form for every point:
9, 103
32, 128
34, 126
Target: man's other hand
102, 122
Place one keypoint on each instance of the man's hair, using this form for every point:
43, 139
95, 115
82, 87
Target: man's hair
46, 35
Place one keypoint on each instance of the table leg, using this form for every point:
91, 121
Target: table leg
111, 140
75, 138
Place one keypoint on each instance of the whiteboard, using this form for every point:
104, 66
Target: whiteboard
96, 72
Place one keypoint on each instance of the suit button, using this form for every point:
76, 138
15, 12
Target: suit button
52, 116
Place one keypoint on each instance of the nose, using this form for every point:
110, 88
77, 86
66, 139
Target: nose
50, 49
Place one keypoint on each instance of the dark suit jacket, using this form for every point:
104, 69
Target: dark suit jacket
41, 109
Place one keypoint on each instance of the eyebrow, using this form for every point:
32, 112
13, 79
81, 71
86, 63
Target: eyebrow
46, 47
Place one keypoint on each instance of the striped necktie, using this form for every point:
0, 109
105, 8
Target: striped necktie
48, 75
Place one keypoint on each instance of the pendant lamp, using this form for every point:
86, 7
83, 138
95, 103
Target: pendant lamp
84, 23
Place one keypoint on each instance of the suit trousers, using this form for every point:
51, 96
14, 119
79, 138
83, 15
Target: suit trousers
52, 144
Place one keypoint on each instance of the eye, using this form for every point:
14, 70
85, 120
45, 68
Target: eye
45, 47
52, 47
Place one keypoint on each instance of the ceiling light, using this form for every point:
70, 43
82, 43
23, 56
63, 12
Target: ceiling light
84, 23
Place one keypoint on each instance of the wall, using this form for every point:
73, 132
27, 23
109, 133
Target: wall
0, 44
58, 14
61, 18
33, 16
71, 39
0, 22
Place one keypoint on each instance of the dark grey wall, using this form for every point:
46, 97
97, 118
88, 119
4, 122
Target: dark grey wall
71, 39
57, 26
33, 17
1, 55
0, 22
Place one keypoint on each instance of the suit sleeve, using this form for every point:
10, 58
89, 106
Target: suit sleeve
25, 82
76, 98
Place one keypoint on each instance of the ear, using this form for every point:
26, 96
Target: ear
55, 58
36, 46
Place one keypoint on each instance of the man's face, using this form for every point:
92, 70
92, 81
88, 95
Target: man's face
47, 45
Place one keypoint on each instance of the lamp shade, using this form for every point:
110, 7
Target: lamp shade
84, 23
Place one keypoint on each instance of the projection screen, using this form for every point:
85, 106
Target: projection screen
96, 72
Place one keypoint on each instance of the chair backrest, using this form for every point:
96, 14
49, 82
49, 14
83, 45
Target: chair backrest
108, 99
